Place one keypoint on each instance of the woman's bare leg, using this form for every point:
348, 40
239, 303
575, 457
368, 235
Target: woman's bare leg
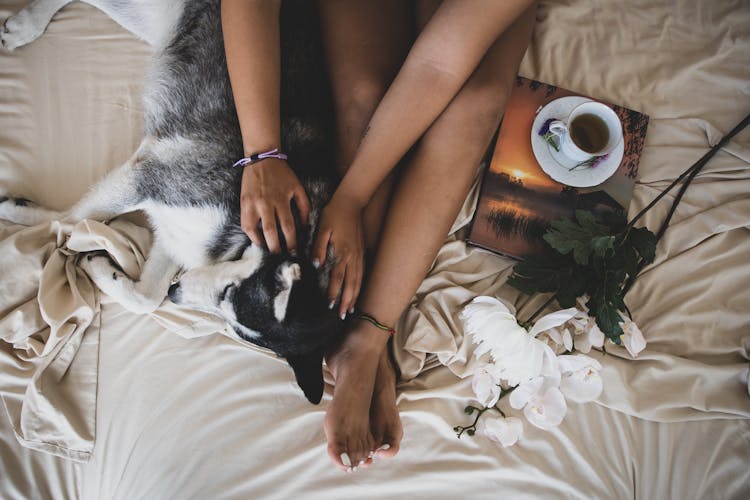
366, 43
424, 205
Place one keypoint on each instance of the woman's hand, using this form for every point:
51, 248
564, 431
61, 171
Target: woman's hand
341, 226
268, 188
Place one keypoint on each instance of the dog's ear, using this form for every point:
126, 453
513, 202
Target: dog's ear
309, 372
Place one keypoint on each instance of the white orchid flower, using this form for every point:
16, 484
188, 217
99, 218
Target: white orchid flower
580, 380
542, 402
631, 338
505, 431
553, 320
486, 386
560, 327
491, 324
591, 337
517, 356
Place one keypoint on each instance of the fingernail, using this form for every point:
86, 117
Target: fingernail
343, 316
316, 263
351, 310
386, 446
345, 459
330, 306
293, 252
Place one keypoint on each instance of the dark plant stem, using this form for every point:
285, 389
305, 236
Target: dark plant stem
696, 167
471, 429
690, 173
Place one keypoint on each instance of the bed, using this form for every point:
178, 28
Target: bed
101, 403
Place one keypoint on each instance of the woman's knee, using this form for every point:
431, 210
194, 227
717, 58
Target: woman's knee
356, 102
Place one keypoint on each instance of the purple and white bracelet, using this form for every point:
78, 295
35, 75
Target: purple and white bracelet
256, 157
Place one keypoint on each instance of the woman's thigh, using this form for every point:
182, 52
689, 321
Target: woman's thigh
366, 42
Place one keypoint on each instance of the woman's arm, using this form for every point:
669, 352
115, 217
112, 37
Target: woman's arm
251, 42
446, 53
443, 57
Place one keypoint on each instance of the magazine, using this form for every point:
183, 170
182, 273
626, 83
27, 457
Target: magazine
518, 199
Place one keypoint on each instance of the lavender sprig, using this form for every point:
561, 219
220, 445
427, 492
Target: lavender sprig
549, 136
592, 162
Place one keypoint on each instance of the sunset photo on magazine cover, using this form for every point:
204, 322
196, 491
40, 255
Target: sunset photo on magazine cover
518, 199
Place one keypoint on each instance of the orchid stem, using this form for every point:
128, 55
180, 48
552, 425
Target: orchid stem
471, 429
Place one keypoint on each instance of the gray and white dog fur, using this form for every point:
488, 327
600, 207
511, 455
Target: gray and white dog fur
182, 177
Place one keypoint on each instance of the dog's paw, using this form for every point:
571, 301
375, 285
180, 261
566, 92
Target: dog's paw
19, 30
102, 271
13, 206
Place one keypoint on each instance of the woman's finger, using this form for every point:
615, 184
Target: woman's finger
303, 204
350, 288
249, 222
286, 221
336, 281
321, 247
270, 231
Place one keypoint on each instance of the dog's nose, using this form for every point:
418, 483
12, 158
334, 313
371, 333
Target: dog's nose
175, 293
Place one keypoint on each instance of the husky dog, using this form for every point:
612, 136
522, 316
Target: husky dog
182, 177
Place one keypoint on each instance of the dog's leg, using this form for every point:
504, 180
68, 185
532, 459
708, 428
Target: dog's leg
140, 296
29, 23
25, 212
114, 195
149, 20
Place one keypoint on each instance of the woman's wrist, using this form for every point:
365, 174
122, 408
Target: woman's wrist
349, 198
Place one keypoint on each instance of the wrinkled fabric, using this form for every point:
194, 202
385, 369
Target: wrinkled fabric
196, 415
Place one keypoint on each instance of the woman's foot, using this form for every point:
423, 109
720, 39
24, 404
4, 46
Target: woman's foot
347, 422
385, 422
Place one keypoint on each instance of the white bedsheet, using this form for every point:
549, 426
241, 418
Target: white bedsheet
207, 417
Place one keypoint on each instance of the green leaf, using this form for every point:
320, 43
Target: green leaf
582, 236
607, 318
588, 222
581, 254
644, 242
602, 244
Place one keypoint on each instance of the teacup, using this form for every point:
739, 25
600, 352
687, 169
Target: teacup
591, 129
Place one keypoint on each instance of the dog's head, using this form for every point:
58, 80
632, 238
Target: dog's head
273, 301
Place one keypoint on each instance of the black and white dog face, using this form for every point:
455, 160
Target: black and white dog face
273, 301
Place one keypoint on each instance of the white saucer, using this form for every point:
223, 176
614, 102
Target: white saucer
555, 164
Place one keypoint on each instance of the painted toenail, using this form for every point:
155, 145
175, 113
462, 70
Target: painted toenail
386, 446
361, 462
345, 459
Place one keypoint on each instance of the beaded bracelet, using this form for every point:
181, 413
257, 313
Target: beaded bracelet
256, 157
377, 324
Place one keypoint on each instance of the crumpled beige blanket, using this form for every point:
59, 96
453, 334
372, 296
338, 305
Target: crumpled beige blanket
683, 63
695, 367
49, 327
